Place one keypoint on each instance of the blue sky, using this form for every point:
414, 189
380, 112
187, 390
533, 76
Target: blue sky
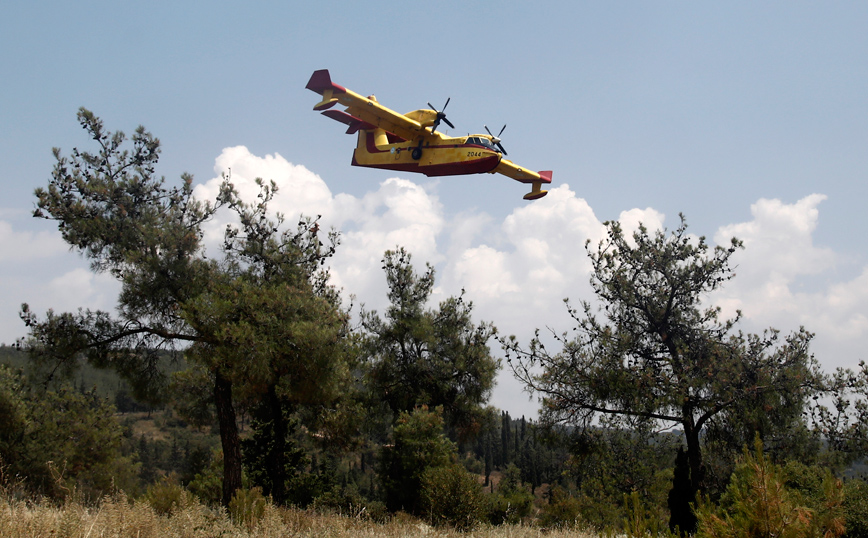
751, 119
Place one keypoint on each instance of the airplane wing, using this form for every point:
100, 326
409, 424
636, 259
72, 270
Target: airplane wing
362, 112
510, 169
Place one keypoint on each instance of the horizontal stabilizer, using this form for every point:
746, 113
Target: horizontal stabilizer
536, 191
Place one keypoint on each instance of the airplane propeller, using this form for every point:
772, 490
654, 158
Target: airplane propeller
441, 115
496, 139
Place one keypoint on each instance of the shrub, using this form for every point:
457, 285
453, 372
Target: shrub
419, 444
642, 522
512, 502
856, 509
509, 508
452, 496
342, 500
61, 440
167, 497
207, 485
757, 503
347, 501
562, 511
247, 507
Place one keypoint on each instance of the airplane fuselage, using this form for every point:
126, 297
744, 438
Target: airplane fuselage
445, 156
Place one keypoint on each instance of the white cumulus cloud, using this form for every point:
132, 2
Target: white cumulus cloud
516, 270
778, 253
81, 288
18, 245
784, 280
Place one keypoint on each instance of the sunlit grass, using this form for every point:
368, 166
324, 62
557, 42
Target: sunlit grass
121, 517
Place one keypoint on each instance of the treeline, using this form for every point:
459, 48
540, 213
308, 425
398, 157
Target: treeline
148, 445
244, 376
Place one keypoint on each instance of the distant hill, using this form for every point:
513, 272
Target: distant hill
106, 382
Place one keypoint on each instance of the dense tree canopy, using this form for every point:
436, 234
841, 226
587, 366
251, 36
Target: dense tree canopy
262, 316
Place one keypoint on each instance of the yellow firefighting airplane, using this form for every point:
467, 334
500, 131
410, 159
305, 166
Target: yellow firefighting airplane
411, 143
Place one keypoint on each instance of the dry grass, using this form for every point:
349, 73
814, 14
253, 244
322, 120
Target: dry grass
122, 518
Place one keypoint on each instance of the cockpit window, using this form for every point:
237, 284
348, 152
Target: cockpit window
480, 141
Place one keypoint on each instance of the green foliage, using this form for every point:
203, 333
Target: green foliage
320, 477
206, 485
451, 496
759, 504
192, 395
642, 521
438, 358
13, 415
111, 207
257, 318
107, 383
348, 501
418, 444
845, 421
512, 502
61, 441
856, 509
562, 511
271, 454
654, 351
167, 447
305, 488
611, 462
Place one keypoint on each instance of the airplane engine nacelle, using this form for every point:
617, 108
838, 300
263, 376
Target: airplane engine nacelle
425, 116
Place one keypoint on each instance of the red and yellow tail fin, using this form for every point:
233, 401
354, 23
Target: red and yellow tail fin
321, 83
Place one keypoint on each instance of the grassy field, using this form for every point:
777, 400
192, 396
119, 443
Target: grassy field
119, 517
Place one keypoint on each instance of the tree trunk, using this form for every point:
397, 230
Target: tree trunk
228, 437
688, 480
694, 458
276, 457
681, 517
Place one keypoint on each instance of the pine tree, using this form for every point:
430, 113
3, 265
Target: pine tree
653, 352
